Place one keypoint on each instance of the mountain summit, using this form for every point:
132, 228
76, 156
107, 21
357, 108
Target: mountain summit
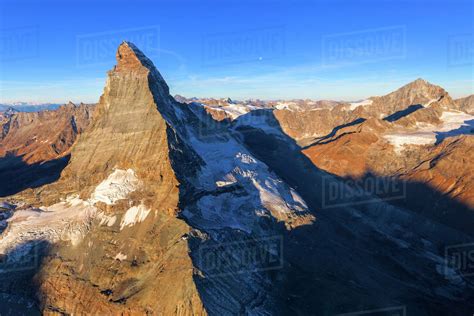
418, 92
131, 60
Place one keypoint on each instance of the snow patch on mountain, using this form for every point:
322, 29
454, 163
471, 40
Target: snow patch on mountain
431, 102
69, 220
233, 109
286, 106
6, 206
106, 219
355, 105
116, 187
416, 138
63, 221
135, 214
454, 119
258, 192
453, 123
120, 257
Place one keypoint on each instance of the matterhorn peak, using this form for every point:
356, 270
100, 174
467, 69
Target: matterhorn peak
130, 58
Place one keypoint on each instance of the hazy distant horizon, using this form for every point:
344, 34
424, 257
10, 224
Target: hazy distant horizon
26, 102
312, 50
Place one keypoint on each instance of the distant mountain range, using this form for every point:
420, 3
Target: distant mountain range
29, 107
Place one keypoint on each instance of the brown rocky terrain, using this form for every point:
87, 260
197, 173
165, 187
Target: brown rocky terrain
6, 114
34, 145
416, 92
228, 109
45, 135
466, 104
359, 149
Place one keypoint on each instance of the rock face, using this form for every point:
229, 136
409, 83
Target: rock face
466, 104
448, 169
417, 92
304, 126
128, 131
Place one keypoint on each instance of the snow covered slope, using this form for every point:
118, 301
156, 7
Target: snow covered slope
452, 123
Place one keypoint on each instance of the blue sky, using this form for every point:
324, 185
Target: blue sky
55, 51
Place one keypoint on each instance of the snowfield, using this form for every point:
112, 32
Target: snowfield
69, 220
233, 110
66, 221
355, 105
135, 214
453, 123
258, 191
116, 187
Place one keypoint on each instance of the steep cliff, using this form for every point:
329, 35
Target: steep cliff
132, 259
